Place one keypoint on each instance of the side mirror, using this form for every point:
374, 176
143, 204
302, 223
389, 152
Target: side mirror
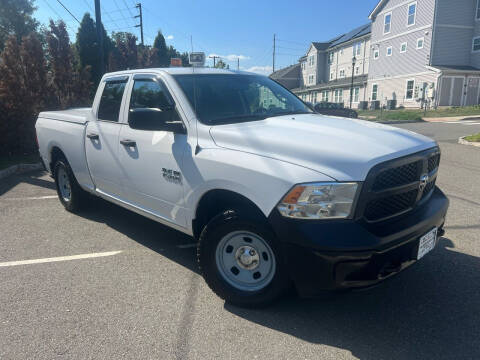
155, 119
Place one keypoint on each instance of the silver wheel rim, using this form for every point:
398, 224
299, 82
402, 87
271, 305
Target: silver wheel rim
245, 260
64, 184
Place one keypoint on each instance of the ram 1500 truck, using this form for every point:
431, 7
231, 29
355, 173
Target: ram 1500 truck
274, 194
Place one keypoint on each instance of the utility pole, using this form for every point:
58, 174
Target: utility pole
139, 7
238, 63
214, 57
99, 26
273, 67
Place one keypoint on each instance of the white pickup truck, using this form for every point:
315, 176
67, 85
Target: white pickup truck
274, 194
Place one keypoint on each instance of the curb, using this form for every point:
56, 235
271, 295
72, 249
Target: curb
400, 121
20, 169
462, 141
386, 122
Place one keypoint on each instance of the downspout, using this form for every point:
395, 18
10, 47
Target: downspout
430, 60
363, 70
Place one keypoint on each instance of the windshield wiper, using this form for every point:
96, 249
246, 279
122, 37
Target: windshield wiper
228, 119
291, 113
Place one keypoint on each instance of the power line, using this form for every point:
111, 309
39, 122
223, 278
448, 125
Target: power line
288, 48
58, 15
293, 42
121, 12
68, 11
89, 6
285, 54
129, 11
106, 13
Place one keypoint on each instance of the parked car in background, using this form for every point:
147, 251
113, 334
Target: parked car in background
334, 109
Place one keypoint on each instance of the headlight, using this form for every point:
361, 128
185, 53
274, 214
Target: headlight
319, 201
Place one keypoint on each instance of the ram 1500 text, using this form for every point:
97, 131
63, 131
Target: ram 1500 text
273, 193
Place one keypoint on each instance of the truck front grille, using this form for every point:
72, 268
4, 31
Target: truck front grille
395, 187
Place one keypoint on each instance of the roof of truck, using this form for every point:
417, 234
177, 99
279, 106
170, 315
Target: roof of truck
181, 71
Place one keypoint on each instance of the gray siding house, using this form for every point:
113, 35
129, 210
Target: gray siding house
327, 68
289, 77
425, 49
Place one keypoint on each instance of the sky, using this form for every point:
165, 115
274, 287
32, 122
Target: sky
241, 29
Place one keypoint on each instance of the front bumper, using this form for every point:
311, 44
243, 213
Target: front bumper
341, 254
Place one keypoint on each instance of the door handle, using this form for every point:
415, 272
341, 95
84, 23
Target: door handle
126, 142
93, 136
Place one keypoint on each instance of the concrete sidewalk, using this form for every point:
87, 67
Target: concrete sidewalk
451, 118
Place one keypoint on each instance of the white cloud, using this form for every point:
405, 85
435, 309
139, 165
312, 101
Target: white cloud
264, 70
231, 57
169, 37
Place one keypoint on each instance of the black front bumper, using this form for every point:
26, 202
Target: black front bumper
340, 254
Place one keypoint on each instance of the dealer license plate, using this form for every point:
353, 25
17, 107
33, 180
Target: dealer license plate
427, 243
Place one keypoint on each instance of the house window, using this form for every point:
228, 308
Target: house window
330, 57
420, 43
311, 79
357, 49
410, 89
311, 60
325, 95
374, 92
412, 11
376, 54
356, 95
403, 47
314, 97
389, 51
478, 10
476, 44
338, 96
387, 23
331, 76
342, 73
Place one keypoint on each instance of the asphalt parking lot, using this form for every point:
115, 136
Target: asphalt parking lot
129, 287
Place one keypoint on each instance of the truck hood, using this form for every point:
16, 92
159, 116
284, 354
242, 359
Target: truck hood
341, 148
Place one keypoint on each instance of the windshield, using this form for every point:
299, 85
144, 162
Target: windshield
225, 98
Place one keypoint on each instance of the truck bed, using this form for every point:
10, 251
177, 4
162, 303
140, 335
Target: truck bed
75, 115
65, 130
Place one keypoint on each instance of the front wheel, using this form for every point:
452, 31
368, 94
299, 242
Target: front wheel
241, 261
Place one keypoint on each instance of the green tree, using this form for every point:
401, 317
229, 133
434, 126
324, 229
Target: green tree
162, 52
23, 93
16, 19
125, 53
70, 83
221, 65
87, 47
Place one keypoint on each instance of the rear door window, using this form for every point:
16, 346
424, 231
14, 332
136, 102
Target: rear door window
109, 108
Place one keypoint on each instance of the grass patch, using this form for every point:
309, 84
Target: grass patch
473, 138
418, 114
8, 161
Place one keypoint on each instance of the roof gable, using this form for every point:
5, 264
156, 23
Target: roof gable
377, 9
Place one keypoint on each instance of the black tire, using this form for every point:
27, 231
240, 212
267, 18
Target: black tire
220, 226
77, 195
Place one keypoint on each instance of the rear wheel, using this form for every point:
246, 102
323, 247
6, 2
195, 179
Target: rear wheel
69, 192
241, 261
